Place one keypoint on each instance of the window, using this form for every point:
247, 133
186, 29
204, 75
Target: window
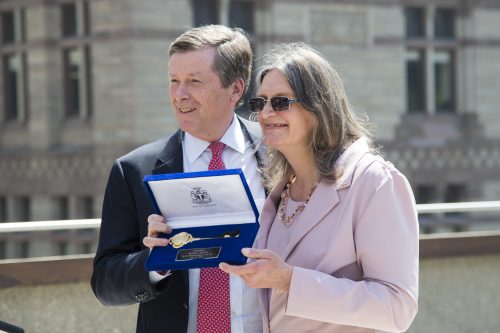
425, 194
241, 15
205, 12
14, 89
72, 82
415, 22
235, 13
21, 209
3, 209
3, 249
415, 80
444, 23
14, 68
85, 207
455, 193
61, 208
8, 28
11, 79
430, 60
24, 249
68, 20
87, 248
85, 20
62, 248
75, 20
443, 81
76, 60
12, 26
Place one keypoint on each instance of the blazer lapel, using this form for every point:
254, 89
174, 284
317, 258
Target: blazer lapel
268, 213
326, 197
267, 217
323, 200
170, 160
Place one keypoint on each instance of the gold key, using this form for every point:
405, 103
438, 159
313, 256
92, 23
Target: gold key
183, 238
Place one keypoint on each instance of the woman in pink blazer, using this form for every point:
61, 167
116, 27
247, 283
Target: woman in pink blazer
337, 250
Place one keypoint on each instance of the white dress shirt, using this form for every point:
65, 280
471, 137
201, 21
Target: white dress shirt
239, 153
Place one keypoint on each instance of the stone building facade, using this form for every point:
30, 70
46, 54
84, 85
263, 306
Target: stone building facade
84, 81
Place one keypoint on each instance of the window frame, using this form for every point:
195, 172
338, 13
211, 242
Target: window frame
77, 42
430, 45
14, 49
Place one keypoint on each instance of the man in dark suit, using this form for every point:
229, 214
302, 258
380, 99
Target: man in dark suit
209, 70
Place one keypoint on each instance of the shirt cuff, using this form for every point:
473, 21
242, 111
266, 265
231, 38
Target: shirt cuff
156, 277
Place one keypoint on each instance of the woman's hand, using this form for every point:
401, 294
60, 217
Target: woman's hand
267, 270
156, 225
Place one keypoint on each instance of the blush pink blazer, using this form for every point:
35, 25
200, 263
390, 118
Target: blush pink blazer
354, 252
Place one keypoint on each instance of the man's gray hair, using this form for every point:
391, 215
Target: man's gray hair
233, 57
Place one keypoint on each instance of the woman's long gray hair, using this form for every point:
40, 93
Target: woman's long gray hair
321, 92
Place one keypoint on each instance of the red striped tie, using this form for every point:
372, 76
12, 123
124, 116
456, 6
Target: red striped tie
214, 313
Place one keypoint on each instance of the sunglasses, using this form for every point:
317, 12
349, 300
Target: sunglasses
278, 103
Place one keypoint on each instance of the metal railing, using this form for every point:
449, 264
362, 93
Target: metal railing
459, 207
49, 225
435, 208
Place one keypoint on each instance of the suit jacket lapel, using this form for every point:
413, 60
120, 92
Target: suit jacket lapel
322, 201
170, 160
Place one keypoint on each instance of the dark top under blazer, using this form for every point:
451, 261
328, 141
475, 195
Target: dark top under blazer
119, 276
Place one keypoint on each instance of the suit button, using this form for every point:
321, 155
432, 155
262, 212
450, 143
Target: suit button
142, 296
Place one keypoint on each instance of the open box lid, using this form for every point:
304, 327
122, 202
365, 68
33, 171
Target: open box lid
196, 199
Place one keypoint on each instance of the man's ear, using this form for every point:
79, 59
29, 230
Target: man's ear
238, 89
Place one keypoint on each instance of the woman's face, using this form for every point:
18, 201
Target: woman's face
284, 130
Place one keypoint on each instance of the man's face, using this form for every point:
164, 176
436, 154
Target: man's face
202, 106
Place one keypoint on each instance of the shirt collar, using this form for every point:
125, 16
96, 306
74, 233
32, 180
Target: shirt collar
233, 138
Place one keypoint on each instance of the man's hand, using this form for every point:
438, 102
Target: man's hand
267, 270
156, 225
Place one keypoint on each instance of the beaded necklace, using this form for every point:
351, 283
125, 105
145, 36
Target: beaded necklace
288, 220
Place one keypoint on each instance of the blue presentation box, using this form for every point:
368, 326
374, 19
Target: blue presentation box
213, 216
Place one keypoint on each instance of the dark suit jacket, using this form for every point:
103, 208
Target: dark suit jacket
119, 276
